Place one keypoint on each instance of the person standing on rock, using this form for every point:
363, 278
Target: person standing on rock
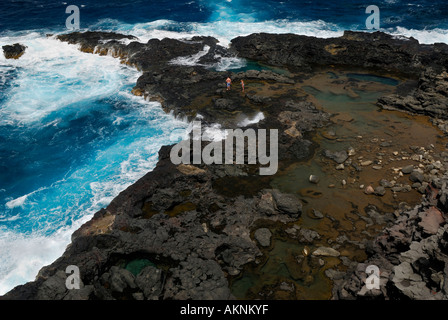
242, 84
229, 82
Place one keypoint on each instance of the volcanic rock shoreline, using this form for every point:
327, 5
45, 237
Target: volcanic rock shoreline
182, 232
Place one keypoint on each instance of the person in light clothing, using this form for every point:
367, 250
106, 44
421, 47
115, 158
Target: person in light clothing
229, 82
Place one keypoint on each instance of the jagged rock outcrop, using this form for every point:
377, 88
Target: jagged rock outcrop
181, 232
377, 50
191, 238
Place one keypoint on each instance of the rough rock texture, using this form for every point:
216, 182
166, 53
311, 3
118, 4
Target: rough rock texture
192, 236
157, 59
263, 236
354, 49
429, 98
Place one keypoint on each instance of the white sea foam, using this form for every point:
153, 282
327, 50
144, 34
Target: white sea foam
229, 63
16, 202
213, 132
4, 218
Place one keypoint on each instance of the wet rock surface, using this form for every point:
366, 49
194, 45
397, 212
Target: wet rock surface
429, 98
187, 231
354, 49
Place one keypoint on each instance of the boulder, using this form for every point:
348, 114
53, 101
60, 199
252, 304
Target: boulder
149, 280
369, 190
266, 205
119, 279
263, 236
386, 184
407, 169
307, 235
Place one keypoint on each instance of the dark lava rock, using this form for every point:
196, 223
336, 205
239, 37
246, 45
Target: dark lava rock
337, 156
356, 166
315, 214
226, 104
14, 51
380, 191
307, 235
386, 184
175, 219
91, 39
119, 279
197, 279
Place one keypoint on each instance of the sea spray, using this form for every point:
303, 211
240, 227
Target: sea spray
73, 138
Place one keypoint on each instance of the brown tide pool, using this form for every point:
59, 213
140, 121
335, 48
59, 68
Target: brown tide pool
339, 207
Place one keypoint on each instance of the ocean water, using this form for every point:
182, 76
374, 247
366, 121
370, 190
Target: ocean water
71, 134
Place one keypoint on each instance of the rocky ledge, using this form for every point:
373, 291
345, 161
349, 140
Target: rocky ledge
183, 231
377, 51
169, 236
